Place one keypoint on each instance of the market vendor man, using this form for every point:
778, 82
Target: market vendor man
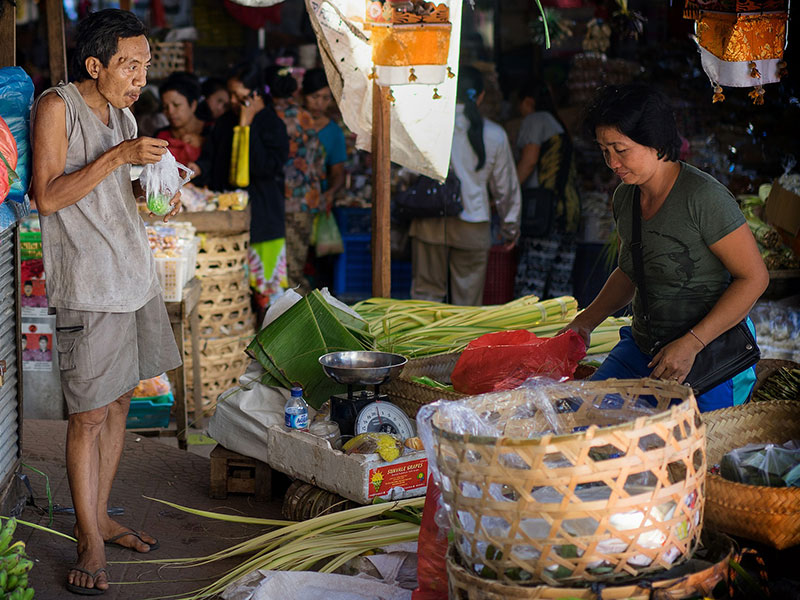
112, 327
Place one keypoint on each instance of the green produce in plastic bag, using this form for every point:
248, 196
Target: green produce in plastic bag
161, 181
158, 204
763, 464
325, 236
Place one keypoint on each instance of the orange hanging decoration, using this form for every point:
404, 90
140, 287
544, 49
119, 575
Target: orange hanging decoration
411, 76
757, 95
782, 70
718, 95
450, 73
390, 96
754, 70
373, 74
436, 95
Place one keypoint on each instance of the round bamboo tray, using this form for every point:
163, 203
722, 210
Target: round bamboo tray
515, 504
304, 501
769, 515
695, 578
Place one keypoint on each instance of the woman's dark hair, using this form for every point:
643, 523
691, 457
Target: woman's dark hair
470, 86
280, 80
211, 86
98, 35
542, 96
639, 112
314, 80
251, 76
186, 84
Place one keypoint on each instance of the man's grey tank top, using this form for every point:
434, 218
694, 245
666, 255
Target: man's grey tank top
96, 254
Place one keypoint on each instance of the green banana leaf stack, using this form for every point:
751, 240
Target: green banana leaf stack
289, 348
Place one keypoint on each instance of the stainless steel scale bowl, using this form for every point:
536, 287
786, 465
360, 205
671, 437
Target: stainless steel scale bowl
363, 410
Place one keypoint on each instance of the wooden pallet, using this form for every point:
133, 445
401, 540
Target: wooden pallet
233, 473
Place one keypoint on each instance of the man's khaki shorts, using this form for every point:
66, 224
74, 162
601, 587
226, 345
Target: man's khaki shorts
102, 356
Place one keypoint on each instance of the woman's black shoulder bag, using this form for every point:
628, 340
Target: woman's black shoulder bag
722, 358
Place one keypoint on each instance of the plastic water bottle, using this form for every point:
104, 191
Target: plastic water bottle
295, 413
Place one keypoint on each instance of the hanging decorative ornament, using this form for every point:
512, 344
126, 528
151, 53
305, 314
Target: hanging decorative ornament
450, 73
718, 95
740, 44
436, 95
409, 34
390, 96
782, 70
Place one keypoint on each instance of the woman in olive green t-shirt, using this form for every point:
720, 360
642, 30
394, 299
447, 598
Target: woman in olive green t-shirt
702, 268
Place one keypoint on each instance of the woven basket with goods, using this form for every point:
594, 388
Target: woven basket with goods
576, 481
411, 395
696, 578
770, 515
222, 254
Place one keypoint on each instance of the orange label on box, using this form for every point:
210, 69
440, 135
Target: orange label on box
409, 476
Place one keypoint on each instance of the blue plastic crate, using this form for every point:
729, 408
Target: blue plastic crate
152, 411
352, 276
353, 220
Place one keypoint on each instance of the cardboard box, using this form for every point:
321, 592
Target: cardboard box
358, 477
783, 209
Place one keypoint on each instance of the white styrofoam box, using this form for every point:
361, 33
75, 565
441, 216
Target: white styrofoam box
358, 477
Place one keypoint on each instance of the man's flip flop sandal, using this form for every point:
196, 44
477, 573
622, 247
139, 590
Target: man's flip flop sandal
113, 542
84, 591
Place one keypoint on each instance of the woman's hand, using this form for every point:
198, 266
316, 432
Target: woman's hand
674, 361
580, 327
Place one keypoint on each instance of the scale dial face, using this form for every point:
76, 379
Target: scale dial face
384, 417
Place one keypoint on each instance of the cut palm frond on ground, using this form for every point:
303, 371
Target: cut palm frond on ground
323, 544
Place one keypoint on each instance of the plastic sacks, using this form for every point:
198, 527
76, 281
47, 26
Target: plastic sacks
764, 464
432, 549
161, 181
157, 386
8, 160
16, 99
504, 360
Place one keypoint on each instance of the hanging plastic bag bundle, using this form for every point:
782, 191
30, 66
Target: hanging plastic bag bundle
161, 181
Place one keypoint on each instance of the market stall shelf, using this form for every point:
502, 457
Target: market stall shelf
217, 222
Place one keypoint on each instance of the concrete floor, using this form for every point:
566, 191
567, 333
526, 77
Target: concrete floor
149, 467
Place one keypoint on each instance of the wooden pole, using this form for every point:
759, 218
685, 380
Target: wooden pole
56, 48
8, 35
381, 179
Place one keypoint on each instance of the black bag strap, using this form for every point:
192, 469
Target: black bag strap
637, 253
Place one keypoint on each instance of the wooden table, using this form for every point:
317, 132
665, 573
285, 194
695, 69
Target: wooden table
178, 313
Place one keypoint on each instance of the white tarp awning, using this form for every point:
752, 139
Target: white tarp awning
421, 127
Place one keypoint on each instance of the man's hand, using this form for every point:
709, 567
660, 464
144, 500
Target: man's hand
175, 203
142, 151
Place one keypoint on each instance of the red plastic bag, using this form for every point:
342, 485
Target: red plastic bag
504, 360
8, 149
431, 551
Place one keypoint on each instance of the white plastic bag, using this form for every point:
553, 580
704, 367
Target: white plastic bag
161, 181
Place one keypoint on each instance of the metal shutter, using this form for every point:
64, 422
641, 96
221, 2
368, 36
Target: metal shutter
9, 392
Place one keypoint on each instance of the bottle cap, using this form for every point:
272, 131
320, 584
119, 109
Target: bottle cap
297, 392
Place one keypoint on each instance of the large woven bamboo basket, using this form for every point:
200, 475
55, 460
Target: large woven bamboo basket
769, 515
686, 581
601, 503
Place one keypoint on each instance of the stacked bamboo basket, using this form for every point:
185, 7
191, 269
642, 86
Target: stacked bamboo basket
627, 490
226, 319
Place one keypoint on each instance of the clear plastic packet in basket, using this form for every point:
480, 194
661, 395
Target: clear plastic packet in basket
764, 464
157, 386
161, 181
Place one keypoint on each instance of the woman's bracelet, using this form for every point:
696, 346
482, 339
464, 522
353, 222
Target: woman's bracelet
697, 338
